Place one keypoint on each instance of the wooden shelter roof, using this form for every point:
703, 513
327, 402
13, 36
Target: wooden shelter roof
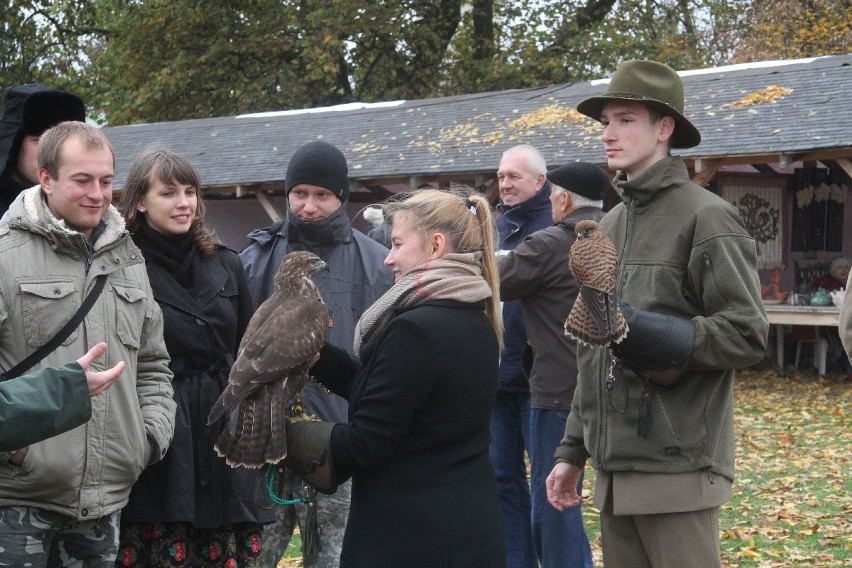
768, 115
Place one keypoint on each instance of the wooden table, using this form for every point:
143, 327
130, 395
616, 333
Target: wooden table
817, 316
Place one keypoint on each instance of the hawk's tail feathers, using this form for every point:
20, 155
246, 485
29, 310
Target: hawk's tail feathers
254, 439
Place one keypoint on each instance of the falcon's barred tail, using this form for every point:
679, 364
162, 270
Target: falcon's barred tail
256, 430
595, 318
582, 326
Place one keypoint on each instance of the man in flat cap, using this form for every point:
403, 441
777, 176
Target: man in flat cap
537, 273
29, 110
654, 413
317, 186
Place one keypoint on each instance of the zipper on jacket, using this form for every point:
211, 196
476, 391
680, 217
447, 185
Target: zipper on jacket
607, 366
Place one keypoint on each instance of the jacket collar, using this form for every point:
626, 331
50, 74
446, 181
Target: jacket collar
581, 213
512, 224
30, 212
668, 173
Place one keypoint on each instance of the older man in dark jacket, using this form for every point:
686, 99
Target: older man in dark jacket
537, 273
524, 208
317, 188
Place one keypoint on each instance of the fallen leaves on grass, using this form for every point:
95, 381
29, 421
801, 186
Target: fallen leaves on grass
791, 499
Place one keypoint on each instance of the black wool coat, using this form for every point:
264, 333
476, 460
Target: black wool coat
416, 443
202, 333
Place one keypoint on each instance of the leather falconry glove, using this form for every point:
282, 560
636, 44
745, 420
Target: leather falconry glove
309, 454
657, 345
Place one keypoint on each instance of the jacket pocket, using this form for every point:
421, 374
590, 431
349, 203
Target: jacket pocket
46, 306
129, 313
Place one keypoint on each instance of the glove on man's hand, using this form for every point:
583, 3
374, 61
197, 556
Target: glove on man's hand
657, 345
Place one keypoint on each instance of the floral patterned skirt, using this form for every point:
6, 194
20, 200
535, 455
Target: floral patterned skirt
167, 545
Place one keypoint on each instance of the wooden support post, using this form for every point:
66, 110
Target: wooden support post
268, 206
705, 170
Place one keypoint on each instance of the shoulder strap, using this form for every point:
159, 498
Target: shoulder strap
61, 335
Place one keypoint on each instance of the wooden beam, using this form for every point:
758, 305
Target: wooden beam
266, 202
764, 169
705, 170
846, 164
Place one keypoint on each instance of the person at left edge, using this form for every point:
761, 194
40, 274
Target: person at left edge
52, 400
60, 506
191, 507
28, 110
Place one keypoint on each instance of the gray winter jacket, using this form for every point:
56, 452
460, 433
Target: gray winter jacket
46, 270
356, 277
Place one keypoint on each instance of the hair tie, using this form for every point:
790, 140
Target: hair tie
469, 204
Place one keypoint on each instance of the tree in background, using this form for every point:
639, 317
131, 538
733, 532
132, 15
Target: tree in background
136, 61
43, 40
791, 29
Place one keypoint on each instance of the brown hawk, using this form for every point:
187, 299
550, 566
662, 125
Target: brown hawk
276, 351
595, 319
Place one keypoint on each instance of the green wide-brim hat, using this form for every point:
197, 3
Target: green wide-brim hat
654, 84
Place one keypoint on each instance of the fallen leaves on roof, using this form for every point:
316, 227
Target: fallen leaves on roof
550, 117
770, 94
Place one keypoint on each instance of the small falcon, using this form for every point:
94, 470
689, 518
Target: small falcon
266, 380
595, 318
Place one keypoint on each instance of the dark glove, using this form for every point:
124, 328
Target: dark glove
657, 345
309, 454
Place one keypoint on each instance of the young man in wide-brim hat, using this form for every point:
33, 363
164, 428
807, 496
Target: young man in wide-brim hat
655, 412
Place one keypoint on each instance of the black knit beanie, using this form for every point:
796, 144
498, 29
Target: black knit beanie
319, 163
581, 178
45, 109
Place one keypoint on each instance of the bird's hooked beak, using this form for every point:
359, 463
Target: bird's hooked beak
320, 264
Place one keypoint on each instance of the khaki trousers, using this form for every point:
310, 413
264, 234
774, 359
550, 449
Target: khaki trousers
662, 540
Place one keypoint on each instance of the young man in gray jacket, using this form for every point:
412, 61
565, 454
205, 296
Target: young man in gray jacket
654, 413
317, 186
60, 499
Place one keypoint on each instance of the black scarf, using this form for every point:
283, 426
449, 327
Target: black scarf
316, 235
176, 253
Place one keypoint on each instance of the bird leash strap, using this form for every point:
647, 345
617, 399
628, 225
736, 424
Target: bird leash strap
311, 539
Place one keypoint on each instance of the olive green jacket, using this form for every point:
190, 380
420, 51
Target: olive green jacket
42, 404
682, 251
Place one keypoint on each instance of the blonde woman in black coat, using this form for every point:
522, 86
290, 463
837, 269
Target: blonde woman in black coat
416, 442
190, 509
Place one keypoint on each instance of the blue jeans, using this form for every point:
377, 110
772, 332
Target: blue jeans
510, 428
559, 537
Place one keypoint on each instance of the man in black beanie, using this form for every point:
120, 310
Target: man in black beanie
29, 110
317, 186
537, 273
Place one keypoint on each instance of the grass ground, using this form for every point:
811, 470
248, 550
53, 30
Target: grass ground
792, 501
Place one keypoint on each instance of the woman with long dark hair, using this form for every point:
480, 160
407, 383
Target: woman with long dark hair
190, 509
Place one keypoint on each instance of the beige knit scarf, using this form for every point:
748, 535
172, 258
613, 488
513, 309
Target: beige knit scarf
454, 276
